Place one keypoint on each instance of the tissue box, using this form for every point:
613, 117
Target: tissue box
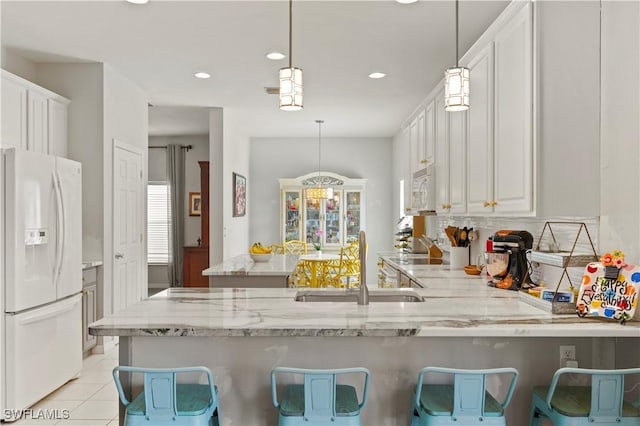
563, 296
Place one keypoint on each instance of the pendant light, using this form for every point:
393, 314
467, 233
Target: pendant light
319, 192
456, 83
290, 78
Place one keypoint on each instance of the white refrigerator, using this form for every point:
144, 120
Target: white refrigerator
41, 345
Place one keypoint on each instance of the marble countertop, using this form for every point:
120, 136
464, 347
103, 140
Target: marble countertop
455, 305
86, 264
280, 264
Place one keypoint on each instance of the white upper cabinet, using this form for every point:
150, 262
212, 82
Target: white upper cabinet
428, 156
37, 119
457, 162
57, 123
14, 114
480, 158
443, 205
513, 145
33, 118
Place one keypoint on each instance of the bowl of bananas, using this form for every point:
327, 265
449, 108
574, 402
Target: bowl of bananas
260, 253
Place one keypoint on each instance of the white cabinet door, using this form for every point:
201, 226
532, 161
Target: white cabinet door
457, 161
429, 133
37, 134
441, 154
513, 174
57, 133
413, 146
422, 155
480, 162
14, 114
407, 166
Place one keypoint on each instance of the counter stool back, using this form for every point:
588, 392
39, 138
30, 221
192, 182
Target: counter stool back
601, 403
466, 402
165, 402
320, 400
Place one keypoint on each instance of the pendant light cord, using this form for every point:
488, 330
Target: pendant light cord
319, 150
456, 35
291, 30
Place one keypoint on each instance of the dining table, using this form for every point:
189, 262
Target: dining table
317, 266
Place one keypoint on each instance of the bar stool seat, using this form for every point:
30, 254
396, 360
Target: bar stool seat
320, 400
165, 402
602, 402
466, 402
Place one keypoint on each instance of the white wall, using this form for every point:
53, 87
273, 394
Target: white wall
620, 128
235, 157
216, 192
367, 158
83, 84
18, 65
126, 119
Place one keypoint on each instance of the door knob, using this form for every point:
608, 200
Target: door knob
119, 255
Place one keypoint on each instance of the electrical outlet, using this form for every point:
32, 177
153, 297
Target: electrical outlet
567, 352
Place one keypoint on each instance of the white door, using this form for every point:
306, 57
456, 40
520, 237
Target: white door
127, 226
69, 176
32, 213
57, 128
457, 161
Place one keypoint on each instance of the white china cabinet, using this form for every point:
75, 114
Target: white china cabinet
328, 223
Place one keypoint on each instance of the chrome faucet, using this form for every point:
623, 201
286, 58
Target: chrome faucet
363, 291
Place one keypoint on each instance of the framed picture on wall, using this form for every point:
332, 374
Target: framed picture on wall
239, 195
194, 204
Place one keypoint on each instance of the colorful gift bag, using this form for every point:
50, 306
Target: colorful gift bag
609, 288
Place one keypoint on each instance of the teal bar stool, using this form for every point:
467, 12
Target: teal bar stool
600, 403
165, 402
466, 402
320, 400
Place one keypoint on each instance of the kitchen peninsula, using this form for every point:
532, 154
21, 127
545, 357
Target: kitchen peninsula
242, 271
241, 334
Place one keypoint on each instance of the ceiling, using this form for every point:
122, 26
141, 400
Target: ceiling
160, 45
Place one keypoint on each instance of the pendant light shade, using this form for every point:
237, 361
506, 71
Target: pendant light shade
290, 78
456, 82
319, 191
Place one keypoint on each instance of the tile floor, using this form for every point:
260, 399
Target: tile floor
92, 398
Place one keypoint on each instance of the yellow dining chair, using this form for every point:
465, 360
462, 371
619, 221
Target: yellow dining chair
346, 271
295, 247
277, 248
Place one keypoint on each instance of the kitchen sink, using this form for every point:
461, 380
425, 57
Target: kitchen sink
352, 296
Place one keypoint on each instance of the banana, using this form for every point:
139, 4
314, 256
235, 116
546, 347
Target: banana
258, 248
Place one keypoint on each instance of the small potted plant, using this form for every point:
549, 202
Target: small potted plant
317, 242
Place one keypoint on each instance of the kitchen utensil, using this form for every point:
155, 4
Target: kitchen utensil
450, 233
462, 237
472, 235
497, 263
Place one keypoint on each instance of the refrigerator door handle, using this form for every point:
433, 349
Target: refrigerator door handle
48, 312
60, 229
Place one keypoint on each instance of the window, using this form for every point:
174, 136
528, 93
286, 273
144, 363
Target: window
158, 217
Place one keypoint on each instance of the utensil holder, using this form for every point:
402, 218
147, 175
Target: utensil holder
458, 257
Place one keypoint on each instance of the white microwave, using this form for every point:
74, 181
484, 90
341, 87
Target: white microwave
424, 190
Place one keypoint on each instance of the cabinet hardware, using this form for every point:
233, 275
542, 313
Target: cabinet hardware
494, 203
423, 161
487, 204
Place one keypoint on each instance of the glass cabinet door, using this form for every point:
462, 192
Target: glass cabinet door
332, 222
312, 222
352, 215
291, 215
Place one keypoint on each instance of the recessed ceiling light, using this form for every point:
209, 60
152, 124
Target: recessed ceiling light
377, 75
275, 56
202, 75
406, 1
137, 1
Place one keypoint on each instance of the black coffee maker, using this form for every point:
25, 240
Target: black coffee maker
507, 262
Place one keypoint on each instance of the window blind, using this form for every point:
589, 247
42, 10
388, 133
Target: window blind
158, 217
